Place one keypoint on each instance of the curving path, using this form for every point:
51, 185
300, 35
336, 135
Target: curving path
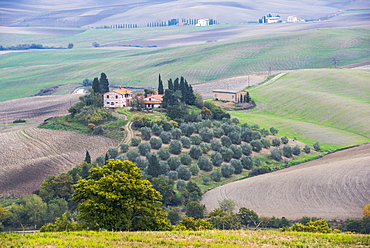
336, 186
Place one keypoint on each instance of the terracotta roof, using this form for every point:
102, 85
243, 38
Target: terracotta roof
122, 91
157, 97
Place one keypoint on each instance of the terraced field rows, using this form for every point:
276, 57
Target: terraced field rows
336, 186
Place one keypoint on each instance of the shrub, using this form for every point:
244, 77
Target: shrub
276, 142
226, 141
227, 170
276, 154
247, 162
19, 121
274, 131
205, 163
287, 151
218, 132
175, 147
264, 132
100, 160
142, 163
163, 154
132, 154
157, 129
284, 140
112, 153
124, 147
164, 168
195, 152
146, 133
255, 127
307, 149
144, 148
205, 147
122, 157
216, 145
206, 134
167, 126
259, 171
206, 180
238, 167
185, 159
173, 162
155, 143
173, 175
166, 137
185, 142
154, 166
187, 129
256, 135
227, 128
215, 175
296, 150
266, 143
257, 161
216, 159
135, 141
140, 120
183, 173
194, 169
180, 184
246, 149
316, 146
235, 137
318, 226
176, 133
237, 151
227, 154
246, 135
195, 139
256, 145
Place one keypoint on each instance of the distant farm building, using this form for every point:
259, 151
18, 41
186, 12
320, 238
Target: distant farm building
203, 22
270, 19
117, 98
229, 95
153, 101
294, 18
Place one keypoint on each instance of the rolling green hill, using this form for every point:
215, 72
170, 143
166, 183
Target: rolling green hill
331, 106
25, 73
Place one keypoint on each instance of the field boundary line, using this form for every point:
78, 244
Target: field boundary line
270, 81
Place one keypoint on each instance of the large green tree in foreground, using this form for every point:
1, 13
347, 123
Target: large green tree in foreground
115, 197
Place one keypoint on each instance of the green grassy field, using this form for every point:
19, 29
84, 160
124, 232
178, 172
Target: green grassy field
331, 106
214, 238
25, 73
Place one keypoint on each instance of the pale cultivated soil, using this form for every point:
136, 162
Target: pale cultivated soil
336, 186
28, 155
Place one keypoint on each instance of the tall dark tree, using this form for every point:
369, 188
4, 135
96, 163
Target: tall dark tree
104, 83
87, 157
96, 85
176, 85
170, 84
190, 98
160, 85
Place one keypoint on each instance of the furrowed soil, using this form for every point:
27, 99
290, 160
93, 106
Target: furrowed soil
336, 186
28, 155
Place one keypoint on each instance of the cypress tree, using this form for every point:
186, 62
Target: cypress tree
170, 84
176, 84
96, 85
183, 89
87, 157
160, 85
104, 83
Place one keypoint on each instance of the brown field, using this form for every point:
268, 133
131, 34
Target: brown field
336, 186
28, 155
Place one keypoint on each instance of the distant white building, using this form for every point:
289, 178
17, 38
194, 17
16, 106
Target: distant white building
273, 19
292, 18
203, 22
117, 98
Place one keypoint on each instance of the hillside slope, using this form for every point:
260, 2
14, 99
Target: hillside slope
336, 186
97, 13
331, 106
28, 155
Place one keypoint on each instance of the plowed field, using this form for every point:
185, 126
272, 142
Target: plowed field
336, 186
28, 155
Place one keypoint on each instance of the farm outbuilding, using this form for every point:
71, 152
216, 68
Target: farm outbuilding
153, 101
229, 95
117, 98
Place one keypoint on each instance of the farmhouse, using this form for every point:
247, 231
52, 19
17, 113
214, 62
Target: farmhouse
229, 95
117, 98
153, 101
203, 22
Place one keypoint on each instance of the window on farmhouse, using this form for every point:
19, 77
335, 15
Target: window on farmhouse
116, 97
107, 96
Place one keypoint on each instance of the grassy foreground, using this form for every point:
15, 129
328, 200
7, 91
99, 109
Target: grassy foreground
184, 239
